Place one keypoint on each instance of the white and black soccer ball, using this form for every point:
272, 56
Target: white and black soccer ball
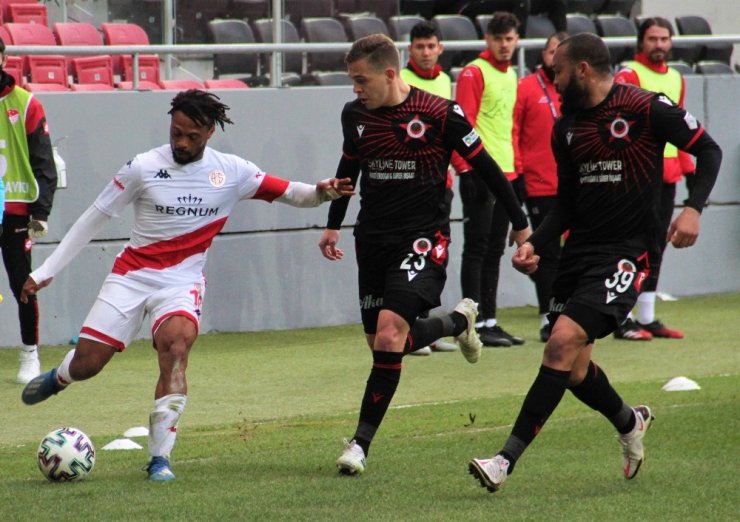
66, 454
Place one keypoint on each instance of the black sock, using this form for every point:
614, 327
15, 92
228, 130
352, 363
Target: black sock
381, 386
596, 392
426, 331
543, 397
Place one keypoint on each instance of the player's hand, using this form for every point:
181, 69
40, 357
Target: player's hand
31, 287
519, 236
524, 259
334, 188
328, 245
37, 228
685, 228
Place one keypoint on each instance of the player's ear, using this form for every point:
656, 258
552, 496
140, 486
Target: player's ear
211, 131
391, 73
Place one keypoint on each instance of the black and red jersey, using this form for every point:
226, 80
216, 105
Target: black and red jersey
402, 153
610, 166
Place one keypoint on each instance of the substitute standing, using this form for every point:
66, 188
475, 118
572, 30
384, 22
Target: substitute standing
424, 71
486, 91
650, 71
30, 182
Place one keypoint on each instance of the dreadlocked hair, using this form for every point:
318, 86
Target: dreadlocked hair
204, 108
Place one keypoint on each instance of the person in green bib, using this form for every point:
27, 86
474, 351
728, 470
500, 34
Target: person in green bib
650, 71
486, 92
27, 165
424, 71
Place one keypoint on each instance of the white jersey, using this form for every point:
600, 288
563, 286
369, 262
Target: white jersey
178, 209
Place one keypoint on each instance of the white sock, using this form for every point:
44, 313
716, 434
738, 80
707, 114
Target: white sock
163, 424
543, 320
480, 324
646, 307
63, 376
29, 348
490, 323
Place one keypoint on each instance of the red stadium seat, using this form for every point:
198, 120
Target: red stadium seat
14, 67
28, 13
5, 8
143, 86
226, 83
123, 34
180, 85
93, 70
48, 69
148, 68
83, 87
30, 34
77, 34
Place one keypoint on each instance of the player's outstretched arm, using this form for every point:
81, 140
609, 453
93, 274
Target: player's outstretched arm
31, 287
524, 259
328, 245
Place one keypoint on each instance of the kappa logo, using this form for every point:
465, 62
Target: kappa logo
360, 130
162, 174
569, 137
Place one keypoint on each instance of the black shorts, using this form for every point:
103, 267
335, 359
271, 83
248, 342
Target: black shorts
598, 288
406, 278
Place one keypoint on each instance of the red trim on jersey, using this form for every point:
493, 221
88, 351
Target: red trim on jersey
101, 337
271, 188
347, 156
168, 253
181, 313
696, 137
35, 116
475, 152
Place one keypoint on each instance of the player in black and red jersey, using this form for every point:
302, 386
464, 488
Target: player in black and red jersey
609, 150
401, 139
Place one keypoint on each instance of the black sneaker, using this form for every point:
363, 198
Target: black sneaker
494, 336
513, 338
545, 332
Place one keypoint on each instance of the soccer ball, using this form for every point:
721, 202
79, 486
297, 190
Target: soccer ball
66, 454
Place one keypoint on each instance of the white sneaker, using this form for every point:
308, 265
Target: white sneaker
469, 342
30, 367
426, 350
491, 473
441, 345
633, 452
352, 461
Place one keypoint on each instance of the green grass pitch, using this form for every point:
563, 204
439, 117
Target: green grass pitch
267, 412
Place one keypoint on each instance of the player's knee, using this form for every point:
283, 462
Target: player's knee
560, 348
389, 339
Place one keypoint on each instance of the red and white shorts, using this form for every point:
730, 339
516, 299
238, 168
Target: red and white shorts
122, 303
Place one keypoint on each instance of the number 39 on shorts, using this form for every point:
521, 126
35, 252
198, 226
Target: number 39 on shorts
623, 277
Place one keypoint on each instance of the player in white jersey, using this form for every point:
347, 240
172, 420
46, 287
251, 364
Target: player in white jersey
182, 194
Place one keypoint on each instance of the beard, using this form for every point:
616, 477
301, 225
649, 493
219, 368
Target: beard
573, 96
